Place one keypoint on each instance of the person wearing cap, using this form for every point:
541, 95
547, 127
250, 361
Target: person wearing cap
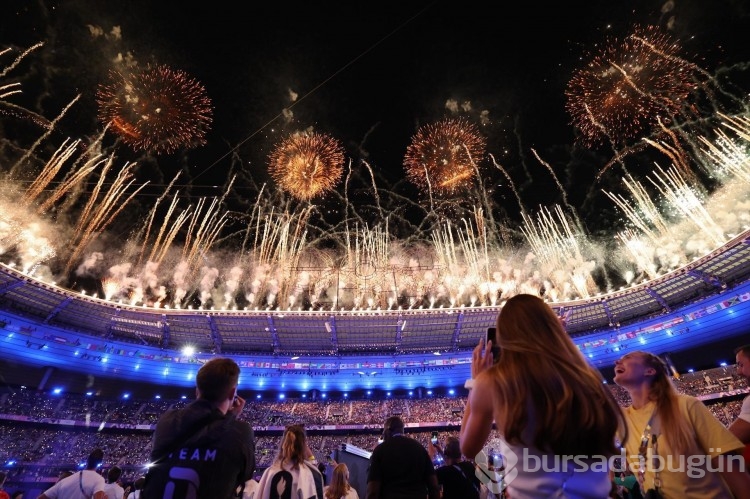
86, 483
456, 476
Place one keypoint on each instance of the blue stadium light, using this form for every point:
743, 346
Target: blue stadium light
183, 397
411, 393
323, 395
10, 463
429, 392
346, 395
690, 370
723, 364
257, 396
451, 392
304, 395
157, 397
88, 394
126, 395
57, 391
388, 394
369, 392
281, 396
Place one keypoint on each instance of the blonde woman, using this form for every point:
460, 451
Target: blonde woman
699, 457
292, 473
556, 419
340, 487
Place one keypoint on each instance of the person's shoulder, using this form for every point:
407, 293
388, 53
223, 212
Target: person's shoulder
689, 400
242, 426
466, 465
415, 443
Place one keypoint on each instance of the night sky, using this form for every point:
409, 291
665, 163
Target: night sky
368, 74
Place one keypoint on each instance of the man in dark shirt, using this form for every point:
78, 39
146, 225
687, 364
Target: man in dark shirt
400, 467
456, 476
202, 450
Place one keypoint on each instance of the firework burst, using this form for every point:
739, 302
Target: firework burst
306, 165
157, 109
628, 86
442, 156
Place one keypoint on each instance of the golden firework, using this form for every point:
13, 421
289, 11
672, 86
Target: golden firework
306, 165
157, 109
628, 86
442, 156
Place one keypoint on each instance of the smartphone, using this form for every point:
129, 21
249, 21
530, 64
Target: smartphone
434, 438
491, 337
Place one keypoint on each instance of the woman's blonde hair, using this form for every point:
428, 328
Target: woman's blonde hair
339, 482
293, 445
547, 386
663, 392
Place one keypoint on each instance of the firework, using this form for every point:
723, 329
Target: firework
306, 165
158, 109
628, 86
441, 157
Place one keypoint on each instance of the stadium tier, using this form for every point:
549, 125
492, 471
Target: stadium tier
45, 326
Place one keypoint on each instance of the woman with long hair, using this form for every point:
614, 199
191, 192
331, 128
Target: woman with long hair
675, 445
557, 421
340, 488
293, 473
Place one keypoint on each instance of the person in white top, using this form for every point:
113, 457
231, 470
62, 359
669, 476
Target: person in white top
87, 483
547, 402
248, 492
340, 487
292, 474
113, 489
137, 488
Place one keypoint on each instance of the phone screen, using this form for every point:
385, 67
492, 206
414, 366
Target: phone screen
434, 438
491, 337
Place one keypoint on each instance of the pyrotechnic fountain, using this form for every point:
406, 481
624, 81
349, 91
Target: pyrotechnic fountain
284, 262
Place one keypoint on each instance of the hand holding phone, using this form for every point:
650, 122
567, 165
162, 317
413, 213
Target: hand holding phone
491, 333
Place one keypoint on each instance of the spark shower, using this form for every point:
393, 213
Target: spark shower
58, 211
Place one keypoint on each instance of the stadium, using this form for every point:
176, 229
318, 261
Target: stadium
343, 313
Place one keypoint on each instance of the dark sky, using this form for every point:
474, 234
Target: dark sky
369, 74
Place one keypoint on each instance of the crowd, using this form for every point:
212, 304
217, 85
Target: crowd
539, 399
